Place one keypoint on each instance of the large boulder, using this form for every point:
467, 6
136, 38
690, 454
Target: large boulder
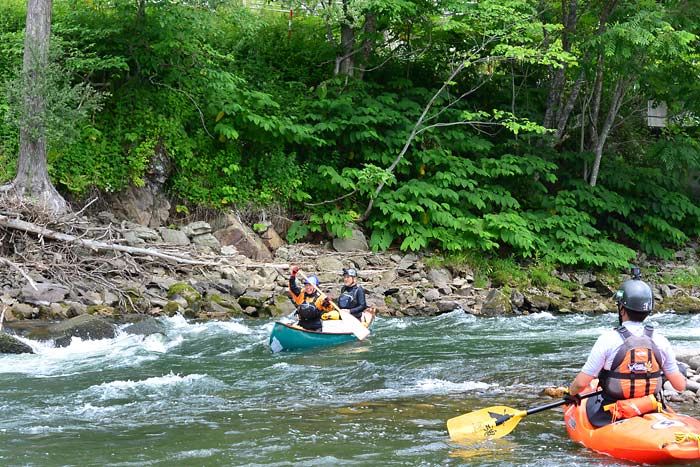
10, 344
144, 205
355, 242
147, 205
497, 303
146, 327
83, 326
247, 242
270, 237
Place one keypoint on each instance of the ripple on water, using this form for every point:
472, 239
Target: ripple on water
213, 394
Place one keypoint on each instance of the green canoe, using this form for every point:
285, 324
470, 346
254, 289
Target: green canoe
287, 336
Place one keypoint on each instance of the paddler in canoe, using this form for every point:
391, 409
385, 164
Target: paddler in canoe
628, 361
311, 305
315, 326
352, 297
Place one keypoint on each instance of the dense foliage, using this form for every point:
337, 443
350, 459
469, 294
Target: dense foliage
493, 127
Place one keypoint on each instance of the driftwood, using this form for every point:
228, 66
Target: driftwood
77, 255
18, 269
43, 232
265, 265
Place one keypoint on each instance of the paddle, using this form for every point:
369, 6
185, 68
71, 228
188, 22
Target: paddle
356, 327
494, 422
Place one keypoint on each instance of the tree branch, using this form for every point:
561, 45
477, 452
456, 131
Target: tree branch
92, 244
18, 269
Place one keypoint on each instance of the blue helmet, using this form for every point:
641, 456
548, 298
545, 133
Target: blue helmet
311, 279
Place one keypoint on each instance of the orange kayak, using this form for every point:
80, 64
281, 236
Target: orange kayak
653, 438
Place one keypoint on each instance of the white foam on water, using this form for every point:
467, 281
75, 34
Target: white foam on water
41, 429
542, 315
441, 386
124, 350
126, 389
194, 454
426, 387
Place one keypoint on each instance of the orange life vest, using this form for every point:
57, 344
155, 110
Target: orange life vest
636, 407
636, 367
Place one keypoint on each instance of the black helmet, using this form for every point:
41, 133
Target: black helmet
635, 295
352, 272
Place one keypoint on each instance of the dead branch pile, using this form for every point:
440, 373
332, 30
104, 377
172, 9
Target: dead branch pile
81, 255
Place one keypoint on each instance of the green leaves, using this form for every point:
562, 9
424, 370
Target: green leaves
250, 115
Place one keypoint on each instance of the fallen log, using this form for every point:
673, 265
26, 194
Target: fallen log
43, 232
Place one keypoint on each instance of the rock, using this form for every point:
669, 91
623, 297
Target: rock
271, 238
132, 240
53, 312
174, 237
517, 299
144, 205
23, 311
145, 327
440, 276
84, 326
207, 240
44, 294
356, 242
11, 345
244, 239
496, 303
91, 298
694, 362
692, 386
681, 302
144, 233
196, 228
406, 263
537, 302
330, 264
221, 302
186, 292
445, 306
252, 300
431, 295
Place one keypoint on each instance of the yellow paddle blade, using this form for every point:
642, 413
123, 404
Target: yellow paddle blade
482, 424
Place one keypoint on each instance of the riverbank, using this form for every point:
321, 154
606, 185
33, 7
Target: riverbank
220, 269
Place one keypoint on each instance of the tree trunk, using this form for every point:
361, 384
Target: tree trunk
555, 97
370, 28
615, 103
345, 63
32, 180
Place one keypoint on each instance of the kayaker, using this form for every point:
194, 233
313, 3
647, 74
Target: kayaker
612, 357
352, 295
309, 301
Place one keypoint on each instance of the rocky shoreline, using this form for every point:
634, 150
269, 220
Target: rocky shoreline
223, 269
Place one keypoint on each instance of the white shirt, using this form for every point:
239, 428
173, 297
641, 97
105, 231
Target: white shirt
605, 348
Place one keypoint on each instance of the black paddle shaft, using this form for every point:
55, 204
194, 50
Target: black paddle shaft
504, 418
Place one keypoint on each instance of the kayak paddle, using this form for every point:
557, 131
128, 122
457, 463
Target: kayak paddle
494, 422
356, 327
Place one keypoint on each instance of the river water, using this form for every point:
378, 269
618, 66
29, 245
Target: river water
213, 394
